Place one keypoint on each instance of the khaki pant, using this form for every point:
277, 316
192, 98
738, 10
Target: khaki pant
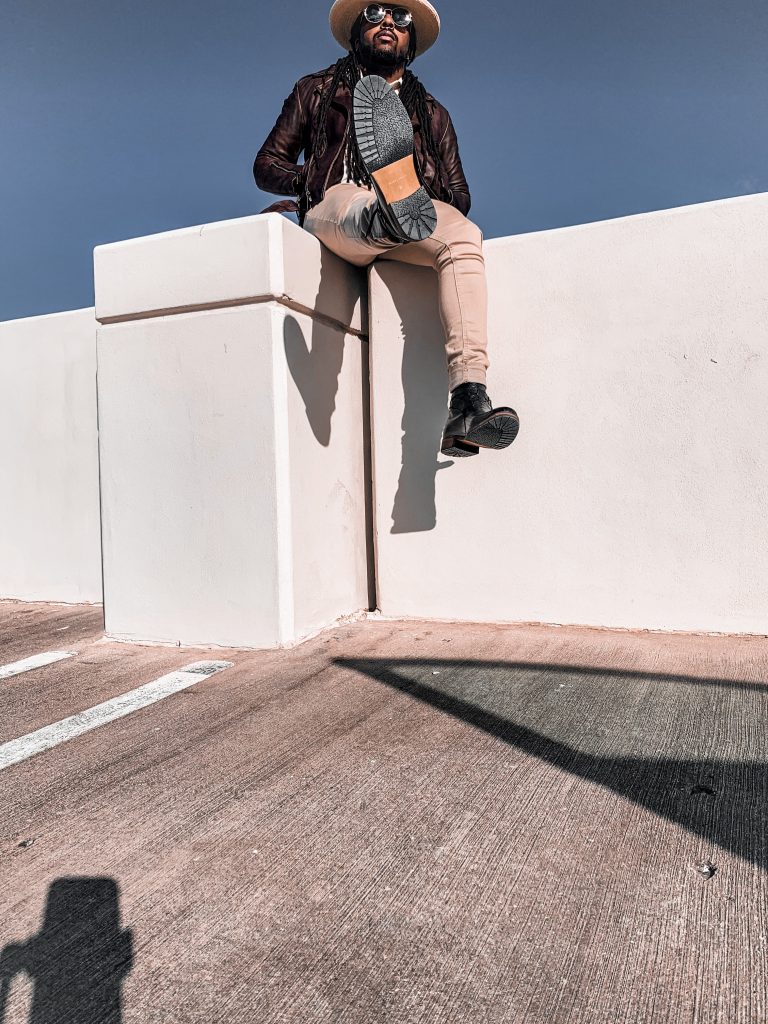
454, 250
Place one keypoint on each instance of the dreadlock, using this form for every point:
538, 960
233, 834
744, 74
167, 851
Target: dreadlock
412, 94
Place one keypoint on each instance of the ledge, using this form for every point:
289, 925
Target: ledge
264, 258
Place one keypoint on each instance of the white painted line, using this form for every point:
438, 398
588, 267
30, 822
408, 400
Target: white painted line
36, 661
68, 728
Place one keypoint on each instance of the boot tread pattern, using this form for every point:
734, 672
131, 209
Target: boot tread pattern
498, 431
384, 135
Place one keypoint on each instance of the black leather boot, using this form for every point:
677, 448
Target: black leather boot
473, 423
375, 226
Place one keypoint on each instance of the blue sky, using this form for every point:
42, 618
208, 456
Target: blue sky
120, 120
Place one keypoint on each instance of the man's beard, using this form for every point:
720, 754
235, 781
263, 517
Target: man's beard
371, 56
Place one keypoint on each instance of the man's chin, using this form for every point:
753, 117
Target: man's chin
384, 56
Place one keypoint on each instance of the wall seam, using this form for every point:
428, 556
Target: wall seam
371, 547
256, 300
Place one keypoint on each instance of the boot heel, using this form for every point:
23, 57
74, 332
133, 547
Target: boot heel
457, 448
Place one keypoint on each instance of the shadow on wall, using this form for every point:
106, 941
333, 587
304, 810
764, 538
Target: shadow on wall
315, 368
78, 960
315, 371
425, 389
666, 725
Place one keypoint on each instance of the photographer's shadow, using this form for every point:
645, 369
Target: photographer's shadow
78, 960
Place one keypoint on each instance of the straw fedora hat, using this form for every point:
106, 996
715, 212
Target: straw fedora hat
426, 21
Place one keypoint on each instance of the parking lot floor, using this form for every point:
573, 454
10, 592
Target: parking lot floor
392, 822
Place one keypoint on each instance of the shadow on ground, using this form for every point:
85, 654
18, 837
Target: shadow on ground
78, 960
689, 749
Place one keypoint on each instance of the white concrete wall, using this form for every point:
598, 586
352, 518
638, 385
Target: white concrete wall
232, 434
636, 354
49, 510
228, 263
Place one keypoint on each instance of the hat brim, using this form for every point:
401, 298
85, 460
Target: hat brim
426, 21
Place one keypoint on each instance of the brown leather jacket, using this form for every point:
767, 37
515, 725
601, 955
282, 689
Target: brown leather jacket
275, 168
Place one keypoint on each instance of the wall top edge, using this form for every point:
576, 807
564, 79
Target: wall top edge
752, 197
234, 262
90, 310
195, 229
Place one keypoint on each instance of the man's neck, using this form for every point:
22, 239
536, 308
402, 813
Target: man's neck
389, 74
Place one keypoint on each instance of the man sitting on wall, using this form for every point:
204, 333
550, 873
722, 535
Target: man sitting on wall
372, 186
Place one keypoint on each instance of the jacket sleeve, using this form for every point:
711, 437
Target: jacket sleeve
453, 171
275, 168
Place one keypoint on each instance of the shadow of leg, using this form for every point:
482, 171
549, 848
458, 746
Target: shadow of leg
424, 391
315, 371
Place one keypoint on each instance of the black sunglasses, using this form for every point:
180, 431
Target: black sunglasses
374, 13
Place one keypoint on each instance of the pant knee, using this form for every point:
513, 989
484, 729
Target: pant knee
474, 236
463, 241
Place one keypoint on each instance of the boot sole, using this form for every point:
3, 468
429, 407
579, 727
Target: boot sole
385, 139
458, 448
498, 431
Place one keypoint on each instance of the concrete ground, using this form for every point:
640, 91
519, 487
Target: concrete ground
394, 822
